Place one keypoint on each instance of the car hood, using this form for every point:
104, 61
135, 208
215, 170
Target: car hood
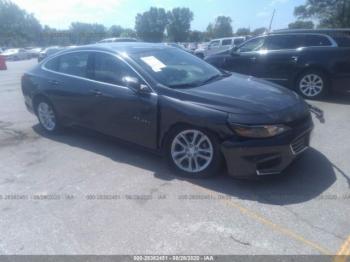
245, 95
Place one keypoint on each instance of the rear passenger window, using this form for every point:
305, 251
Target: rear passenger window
227, 42
111, 70
74, 64
342, 38
52, 64
316, 40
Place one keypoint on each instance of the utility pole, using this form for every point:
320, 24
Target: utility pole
273, 16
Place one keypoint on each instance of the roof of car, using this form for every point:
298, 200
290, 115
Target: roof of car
311, 31
119, 47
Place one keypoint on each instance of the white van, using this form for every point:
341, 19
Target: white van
219, 45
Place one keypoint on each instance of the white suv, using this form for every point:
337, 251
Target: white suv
219, 45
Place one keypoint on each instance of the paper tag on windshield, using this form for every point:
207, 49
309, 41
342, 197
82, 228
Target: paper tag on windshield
154, 63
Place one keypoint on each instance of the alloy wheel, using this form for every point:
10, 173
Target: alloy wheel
311, 85
46, 116
192, 151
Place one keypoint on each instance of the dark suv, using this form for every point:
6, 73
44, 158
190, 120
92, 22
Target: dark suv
312, 62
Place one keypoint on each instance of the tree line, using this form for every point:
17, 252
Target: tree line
19, 28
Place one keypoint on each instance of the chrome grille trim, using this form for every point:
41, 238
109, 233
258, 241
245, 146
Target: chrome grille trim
299, 145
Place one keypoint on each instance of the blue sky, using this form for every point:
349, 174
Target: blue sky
244, 13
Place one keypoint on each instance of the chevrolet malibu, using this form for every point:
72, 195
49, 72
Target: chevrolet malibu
172, 102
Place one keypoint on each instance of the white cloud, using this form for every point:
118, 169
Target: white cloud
276, 2
264, 14
61, 13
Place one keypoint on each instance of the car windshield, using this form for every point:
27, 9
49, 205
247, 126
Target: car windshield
175, 68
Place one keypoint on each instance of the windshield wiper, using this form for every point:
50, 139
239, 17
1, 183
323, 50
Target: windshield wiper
212, 78
185, 85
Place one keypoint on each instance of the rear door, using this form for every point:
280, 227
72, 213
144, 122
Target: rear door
70, 89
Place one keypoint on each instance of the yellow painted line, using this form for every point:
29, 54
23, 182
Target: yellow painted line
265, 221
343, 254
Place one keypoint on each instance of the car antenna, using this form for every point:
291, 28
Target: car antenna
271, 21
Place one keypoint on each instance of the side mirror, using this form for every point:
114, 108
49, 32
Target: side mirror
135, 84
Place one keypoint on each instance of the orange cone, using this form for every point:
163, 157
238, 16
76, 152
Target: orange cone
2, 63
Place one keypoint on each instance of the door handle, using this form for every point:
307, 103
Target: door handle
294, 59
96, 92
54, 82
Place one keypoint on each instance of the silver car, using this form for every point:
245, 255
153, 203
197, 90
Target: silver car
15, 54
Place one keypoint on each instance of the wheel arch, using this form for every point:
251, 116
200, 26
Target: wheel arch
311, 67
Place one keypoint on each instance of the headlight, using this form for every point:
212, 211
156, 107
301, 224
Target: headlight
261, 131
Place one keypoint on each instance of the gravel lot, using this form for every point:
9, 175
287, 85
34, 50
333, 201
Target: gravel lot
82, 193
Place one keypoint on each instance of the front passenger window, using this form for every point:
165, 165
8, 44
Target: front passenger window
253, 45
111, 70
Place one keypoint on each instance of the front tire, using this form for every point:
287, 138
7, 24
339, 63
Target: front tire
47, 116
194, 153
312, 84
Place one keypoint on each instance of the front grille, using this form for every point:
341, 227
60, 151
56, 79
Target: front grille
299, 145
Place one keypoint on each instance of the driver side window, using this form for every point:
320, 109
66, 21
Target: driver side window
255, 44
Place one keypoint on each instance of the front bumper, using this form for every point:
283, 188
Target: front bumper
259, 157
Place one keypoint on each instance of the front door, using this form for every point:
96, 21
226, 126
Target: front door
244, 59
122, 111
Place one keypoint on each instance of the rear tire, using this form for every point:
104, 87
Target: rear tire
193, 152
312, 84
47, 116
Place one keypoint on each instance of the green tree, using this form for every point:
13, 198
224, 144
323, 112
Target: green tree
301, 25
17, 27
259, 31
179, 24
329, 13
127, 32
243, 31
84, 33
150, 25
115, 31
196, 36
221, 28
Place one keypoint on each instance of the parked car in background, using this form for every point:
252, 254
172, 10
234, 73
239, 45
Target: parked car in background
201, 49
33, 52
312, 62
15, 54
118, 39
170, 101
219, 45
49, 52
179, 46
192, 47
